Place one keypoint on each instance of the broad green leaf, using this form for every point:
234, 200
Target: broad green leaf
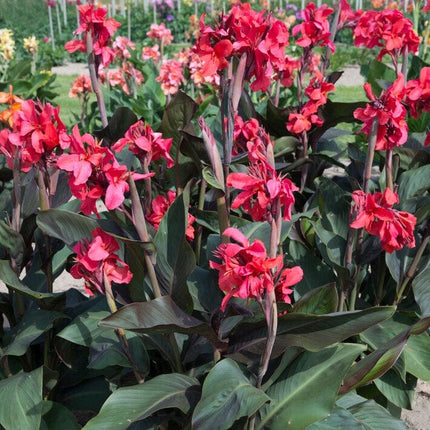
211, 179
21, 405
160, 315
66, 226
400, 393
415, 354
129, 404
382, 359
56, 416
312, 372
379, 75
13, 242
365, 415
312, 332
414, 182
398, 262
319, 301
175, 258
227, 395
421, 289
9, 277
32, 325
209, 219
178, 113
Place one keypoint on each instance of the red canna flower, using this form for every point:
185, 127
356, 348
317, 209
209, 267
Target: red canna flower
94, 21
418, 93
390, 112
147, 144
375, 213
315, 28
388, 29
263, 191
37, 131
159, 207
247, 272
288, 278
98, 258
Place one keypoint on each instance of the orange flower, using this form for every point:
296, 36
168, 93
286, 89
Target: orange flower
6, 116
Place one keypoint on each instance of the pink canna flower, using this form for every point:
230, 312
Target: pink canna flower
390, 112
151, 53
81, 86
146, 144
375, 214
246, 271
159, 207
262, 191
96, 259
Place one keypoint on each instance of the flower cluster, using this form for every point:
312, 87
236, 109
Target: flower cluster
247, 272
94, 22
170, 76
94, 173
151, 53
37, 131
159, 207
376, 214
7, 44
81, 87
388, 29
146, 144
390, 113
244, 31
161, 34
315, 28
96, 260
31, 44
263, 192
14, 104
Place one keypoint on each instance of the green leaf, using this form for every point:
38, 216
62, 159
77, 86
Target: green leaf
379, 75
130, 404
178, 113
211, 179
361, 415
32, 325
175, 258
312, 332
9, 277
414, 182
66, 226
122, 119
396, 391
227, 395
56, 416
13, 242
319, 301
209, 219
160, 315
421, 289
22, 400
312, 372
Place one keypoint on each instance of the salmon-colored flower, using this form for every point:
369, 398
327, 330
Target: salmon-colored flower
96, 259
246, 271
170, 76
375, 214
81, 86
14, 102
160, 33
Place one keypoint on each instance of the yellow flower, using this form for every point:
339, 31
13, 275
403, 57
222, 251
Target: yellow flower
30, 45
7, 44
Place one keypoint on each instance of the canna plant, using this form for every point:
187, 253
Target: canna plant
231, 281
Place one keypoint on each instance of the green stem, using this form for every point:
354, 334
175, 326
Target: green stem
140, 225
412, 269
198, 237
370, 154
120, 333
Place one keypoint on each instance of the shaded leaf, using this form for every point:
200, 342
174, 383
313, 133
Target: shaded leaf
56, 416
227, 395
160, 315
319, 301
421, 289
13, 242
129, 404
